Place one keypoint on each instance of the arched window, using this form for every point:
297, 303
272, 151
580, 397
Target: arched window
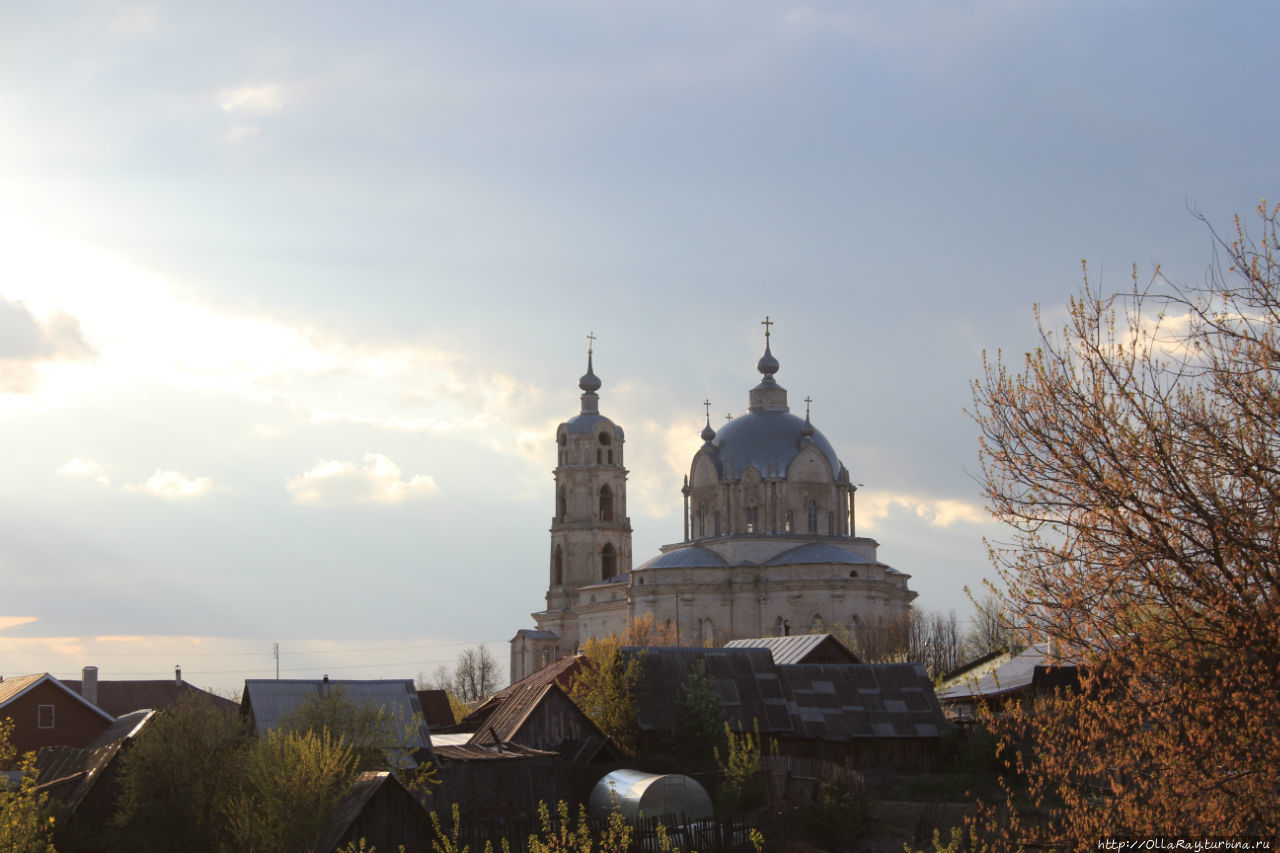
702, 521
562, 505
717, 521
753, 520
599, 456
816, 625
782, 627
813, 516
606, 503
557, 567
608, 562
789, 522
708, 632
610, 456
831, 524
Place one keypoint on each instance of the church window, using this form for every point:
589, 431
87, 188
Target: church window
789, 522
753, 520
707, 632
562, 506
782, 627
831, 524
604, 438
557, 564
599, 456
813, 516
606, 503
702, 521
816, 625
608, 562
610, 457
717, 522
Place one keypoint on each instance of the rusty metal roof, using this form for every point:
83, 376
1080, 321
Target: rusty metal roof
840, 702
12, 689
120, 697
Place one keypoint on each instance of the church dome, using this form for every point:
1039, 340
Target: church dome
767, 441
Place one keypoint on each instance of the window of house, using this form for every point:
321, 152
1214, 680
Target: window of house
44, 717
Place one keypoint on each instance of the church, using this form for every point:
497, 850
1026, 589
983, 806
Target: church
770, 543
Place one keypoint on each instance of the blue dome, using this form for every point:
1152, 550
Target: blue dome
767, 441
686, 558
817, 552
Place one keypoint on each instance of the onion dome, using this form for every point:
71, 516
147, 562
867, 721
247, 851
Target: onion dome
589, 381
708, 434
768, 365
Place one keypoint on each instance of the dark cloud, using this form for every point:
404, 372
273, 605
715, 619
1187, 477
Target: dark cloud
26, 341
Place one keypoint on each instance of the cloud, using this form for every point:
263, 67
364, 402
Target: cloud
26, 341
377, 480
15, 621
173, 486
267, 98
79, 467
874, 507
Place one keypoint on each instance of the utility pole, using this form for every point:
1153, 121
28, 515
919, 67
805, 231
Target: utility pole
275, 649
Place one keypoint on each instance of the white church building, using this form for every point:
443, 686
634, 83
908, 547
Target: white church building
770, 544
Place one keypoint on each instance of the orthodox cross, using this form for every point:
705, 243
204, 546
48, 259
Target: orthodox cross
591, 339
807, 401
707, 404
766, 322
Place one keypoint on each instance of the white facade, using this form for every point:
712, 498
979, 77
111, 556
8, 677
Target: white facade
770, 544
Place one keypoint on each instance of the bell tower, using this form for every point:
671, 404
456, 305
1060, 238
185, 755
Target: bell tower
590, 530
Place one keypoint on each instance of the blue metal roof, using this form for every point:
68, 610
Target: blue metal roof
767, 441
589, 422
817, 552
686, 558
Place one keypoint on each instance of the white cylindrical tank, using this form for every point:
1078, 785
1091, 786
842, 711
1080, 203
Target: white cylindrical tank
640, 794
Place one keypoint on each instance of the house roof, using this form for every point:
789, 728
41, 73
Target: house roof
121, 697
366, 786
476, 752
797, 648
70, 772
269, 702
841, 702
505, 723
746, 679
1018, 673
12, 689
436, 709
561, 672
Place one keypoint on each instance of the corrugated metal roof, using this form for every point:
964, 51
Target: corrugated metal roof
476, 752
795, 648
1017, 673
839, 702
560, 672
120, 697
268, 703
746, 679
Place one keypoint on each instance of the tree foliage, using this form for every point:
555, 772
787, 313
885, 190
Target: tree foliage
605, 689
1134, 457
292, 781
177, 777
701, 715
25, 823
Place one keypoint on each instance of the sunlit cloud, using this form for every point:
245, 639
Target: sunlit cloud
173, 486
874, 507
267, 98
79, 467
15, 621
376, 480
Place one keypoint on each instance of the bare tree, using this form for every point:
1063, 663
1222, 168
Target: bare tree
476, 675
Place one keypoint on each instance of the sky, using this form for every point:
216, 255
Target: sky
293, 295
